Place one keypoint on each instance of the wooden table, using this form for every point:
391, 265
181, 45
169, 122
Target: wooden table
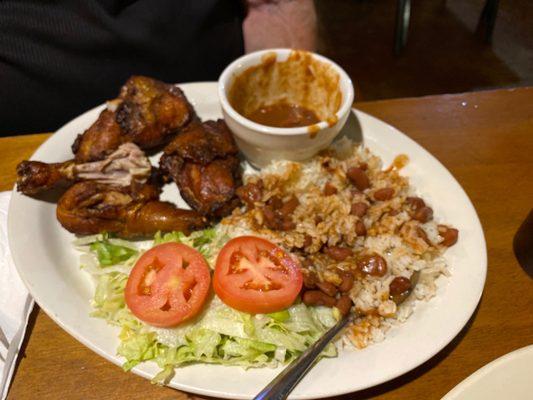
485, 139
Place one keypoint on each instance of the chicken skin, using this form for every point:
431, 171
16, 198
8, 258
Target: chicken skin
132, 211
203, 162
210, 189
203, 142
102, 137
35, 177
147, 112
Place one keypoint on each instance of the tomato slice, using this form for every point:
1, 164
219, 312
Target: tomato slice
168, 285
255, 276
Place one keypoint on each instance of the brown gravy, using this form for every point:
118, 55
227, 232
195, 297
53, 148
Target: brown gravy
283, 115
299, 91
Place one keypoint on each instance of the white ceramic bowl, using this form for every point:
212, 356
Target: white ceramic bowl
260, 143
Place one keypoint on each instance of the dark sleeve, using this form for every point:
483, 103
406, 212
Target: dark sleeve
60, 58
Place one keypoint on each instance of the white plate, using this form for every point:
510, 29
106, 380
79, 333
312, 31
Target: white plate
508, 377
48, 264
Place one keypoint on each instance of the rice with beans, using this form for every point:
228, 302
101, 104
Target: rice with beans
358, 230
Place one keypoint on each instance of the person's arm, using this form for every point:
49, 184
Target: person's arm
280, 23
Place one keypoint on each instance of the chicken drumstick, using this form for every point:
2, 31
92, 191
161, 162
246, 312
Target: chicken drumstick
132, 211
128, 163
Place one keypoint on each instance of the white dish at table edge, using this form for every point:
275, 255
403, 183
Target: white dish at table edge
507, 377
49, 266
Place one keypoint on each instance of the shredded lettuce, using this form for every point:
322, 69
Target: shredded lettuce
219, 335
108, 251
280, 316
207, 241
160, 238
222, 335
111, 254
202, 240
136, 347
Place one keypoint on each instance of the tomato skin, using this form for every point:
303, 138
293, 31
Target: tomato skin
270, 280
168, 285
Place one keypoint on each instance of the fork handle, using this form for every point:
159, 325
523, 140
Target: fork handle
284, 383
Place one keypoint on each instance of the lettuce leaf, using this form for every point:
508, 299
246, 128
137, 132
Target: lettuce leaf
203, 237
207, 241
160, 238
136, 347
111, 254
280, 316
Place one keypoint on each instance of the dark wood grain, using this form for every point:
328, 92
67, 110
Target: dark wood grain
485, 139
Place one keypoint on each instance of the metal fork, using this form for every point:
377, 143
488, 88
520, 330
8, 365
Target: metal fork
285, 382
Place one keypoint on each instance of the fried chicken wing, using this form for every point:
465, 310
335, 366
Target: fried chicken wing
203, 162
147, 112
133, 211
125, 165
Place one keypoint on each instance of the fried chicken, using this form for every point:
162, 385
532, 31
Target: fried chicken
210, 189
125, 165
132, 211
102, 137
203, 162
114, 187
147, 112
35, 177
